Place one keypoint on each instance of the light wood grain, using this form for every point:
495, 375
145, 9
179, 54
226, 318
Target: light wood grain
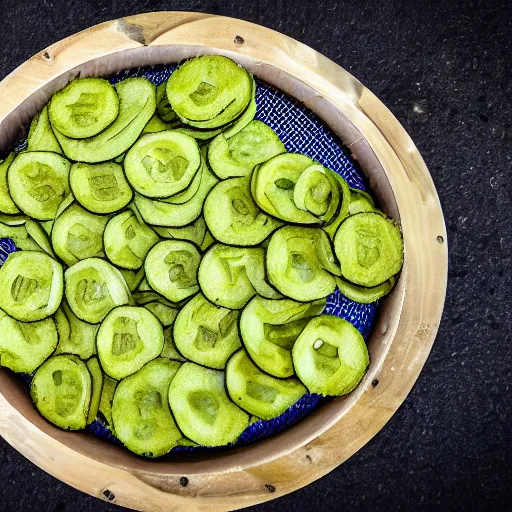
406, 327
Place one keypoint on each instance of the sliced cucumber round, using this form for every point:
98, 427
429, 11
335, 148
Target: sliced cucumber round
206, 334
7, 205
162, 164
171, 269
127, 339
296, 263
137, 104
84, 108
31, 285
209, 91
202, 408
160, 213
140, 411
273, 186
78, 234
330, 356
239, 154
231, 276
94, 288
245, 118
75, 336
269, 329
24, 346
107, 396
187, 194
155, 124
208, 241
233, 217
194, 232
41, 136
369, 248
365, 295
61, 391
127, 241
38, 183
259, 393
97, 385
100, 188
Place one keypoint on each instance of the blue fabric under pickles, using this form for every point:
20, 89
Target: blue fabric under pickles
303, 132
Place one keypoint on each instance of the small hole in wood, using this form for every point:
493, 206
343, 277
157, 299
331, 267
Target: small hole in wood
183, 481
375, 383
239, 40
309, 458
46, 55
440, 239
109, 495
270, 488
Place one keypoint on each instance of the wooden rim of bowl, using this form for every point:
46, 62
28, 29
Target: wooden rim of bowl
407, 322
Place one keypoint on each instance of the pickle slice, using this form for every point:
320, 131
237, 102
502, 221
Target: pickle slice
41, 136
61, 391
202, 409
127, 339
369, 248
127, 240
38, 183
269, 329
100, 188
140, 410
258, 393
365, 295
194, 232
206, 334
97, 385
7, 205
232, 216
31, 285
330, 356
171, 269
107, 396
24, 346
94, 288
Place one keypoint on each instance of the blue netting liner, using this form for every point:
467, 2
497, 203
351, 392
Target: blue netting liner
303, 132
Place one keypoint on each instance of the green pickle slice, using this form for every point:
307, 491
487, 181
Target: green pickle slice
61, 391
31, 286
78, 234
137, 104
107, 396
38, 183
258, 393
300, 263
233, 217
84, 108
330, 356
209, 91
239, 154
369, 248
269, 329
140, 411
206, 334
194, 232
24, 346
162, 164
100, 188
127, 339
363, 294
360, 201
7, 205
171, 269
127, 240
94, 288
202, 408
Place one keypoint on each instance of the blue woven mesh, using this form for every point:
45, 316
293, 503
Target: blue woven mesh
303, 132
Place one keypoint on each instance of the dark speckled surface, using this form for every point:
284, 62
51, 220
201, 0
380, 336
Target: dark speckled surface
445, 70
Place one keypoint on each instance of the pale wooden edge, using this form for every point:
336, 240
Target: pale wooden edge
423, 281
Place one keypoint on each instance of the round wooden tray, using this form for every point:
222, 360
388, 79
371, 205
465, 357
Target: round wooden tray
407, 324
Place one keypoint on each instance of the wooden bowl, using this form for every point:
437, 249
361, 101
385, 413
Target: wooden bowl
408, 320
